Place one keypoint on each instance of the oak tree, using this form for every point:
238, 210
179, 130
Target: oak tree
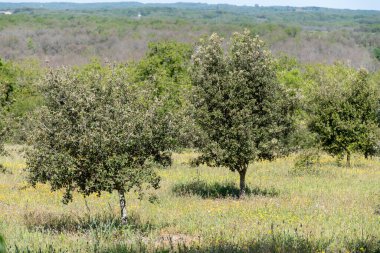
343, 108
96, 133
243, 111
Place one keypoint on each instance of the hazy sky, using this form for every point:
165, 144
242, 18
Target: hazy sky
342, 4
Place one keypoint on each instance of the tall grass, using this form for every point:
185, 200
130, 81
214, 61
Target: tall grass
196, 210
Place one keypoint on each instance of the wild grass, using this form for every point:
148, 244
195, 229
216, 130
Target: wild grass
218, 190
197, 211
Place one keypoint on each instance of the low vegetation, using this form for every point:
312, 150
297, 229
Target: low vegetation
196, 211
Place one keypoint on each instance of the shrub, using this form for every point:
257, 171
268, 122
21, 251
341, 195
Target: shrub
307, 162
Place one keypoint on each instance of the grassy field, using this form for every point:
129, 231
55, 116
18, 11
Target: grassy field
337, 209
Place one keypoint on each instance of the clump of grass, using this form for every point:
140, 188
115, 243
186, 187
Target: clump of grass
46, 248
4, 170
2, 245
66, 222
307, 163
377, 209
218, 190
69, 223
367, 245
278, 242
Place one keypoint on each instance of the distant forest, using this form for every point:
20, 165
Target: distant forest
70, 33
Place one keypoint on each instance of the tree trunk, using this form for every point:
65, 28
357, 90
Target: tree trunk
348, 164
242, 181
123, 209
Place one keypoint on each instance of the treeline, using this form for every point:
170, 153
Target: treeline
62, 35
106, 126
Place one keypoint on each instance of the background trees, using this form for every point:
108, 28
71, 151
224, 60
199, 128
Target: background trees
113, 31
7, 77
239, 105
18, 96
165, 67
96, 133
344, 108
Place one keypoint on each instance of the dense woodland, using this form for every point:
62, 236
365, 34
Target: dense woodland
103, 98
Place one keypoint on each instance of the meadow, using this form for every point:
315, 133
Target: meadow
102, 92
331, 209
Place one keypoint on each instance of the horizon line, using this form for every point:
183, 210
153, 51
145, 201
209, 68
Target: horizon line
178, 2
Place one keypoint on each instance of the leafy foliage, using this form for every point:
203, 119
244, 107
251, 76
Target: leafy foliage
7, 83
96, 133
376, 52
6, 89
243, 111
165, 67
344, 111
18, 96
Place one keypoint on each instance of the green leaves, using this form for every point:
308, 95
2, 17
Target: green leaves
97, 132
239, 104
344, 111
165, 70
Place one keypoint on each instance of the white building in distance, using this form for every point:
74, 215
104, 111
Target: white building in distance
6, 12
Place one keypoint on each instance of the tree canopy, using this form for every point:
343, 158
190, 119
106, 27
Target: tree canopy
166, 67
96, 133
243, 111
344, 107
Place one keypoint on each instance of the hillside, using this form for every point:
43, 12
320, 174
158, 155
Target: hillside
69, 33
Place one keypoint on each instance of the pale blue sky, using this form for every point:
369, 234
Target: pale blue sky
341, 4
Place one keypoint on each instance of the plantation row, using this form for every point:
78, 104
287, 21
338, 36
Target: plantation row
106, 127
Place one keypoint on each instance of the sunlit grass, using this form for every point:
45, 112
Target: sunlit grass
337, 206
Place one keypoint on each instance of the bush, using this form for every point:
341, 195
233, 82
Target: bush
307, 163
376, 53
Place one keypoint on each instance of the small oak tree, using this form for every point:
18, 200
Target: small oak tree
343, 109
243, 111
95, 133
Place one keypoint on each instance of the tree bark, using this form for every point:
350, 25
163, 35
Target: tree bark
242, 182
123, 209
348, 163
